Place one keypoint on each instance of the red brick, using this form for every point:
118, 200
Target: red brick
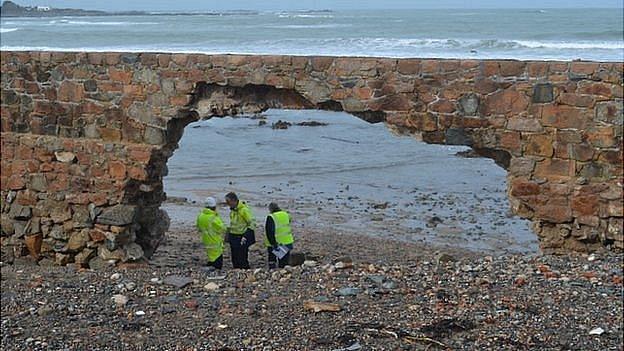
109, 134
430, 66
586, 205
587, 68
443, 106
364, 93
539, 145
164, 59
110, 87
556, 210
121, 76
26, 198
179, 100
137, 173
141, 155
117, 170
510, 140
60, 183
71, 92
596, 88
77, 198
537, 69
554, 168
111, 58
562, 116
95, 58
602, 136
506, 102
512, 68
490, 68
520, 188
408, 66
182, 59
99, 198
581, 152
576, 100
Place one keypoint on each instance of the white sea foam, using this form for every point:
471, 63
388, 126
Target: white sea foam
8, 30
609, 45
97, 23
304, 15
311, 26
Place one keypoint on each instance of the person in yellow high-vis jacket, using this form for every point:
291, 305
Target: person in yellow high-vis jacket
241, 232
212, 231
278, 233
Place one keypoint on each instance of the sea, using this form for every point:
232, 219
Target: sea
527, 34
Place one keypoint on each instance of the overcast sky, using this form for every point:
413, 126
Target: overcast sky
207, 5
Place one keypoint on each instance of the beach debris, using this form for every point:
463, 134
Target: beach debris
177, 200
318, 306
139, 313
211, 286
309, 263
433, 221
177, 281
446, 327
348, 291
120, 300
281, 125
596, 331
216, 277
115, 276
380, 330
343, 265
381, 206
296, 258
353, 347
446, 258
339, 139
191, 304
311, 124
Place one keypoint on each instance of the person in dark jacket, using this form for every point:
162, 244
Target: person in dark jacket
241, 232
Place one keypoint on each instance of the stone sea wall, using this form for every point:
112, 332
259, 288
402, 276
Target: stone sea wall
86, 136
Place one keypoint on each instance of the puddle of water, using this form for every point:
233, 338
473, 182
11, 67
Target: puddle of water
348, 176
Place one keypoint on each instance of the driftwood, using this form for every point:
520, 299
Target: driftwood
321, 306
379, 330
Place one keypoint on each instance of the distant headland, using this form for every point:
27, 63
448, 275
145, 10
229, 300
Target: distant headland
11, 9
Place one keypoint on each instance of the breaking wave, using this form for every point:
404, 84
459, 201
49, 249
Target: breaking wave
8, 30
96, 23
386, 47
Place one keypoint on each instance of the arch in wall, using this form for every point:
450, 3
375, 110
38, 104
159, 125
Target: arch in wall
555, 126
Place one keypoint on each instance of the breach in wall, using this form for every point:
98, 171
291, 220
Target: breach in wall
86, 136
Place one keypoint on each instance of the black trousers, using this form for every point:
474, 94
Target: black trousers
273, 263
240, 252
218, 263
